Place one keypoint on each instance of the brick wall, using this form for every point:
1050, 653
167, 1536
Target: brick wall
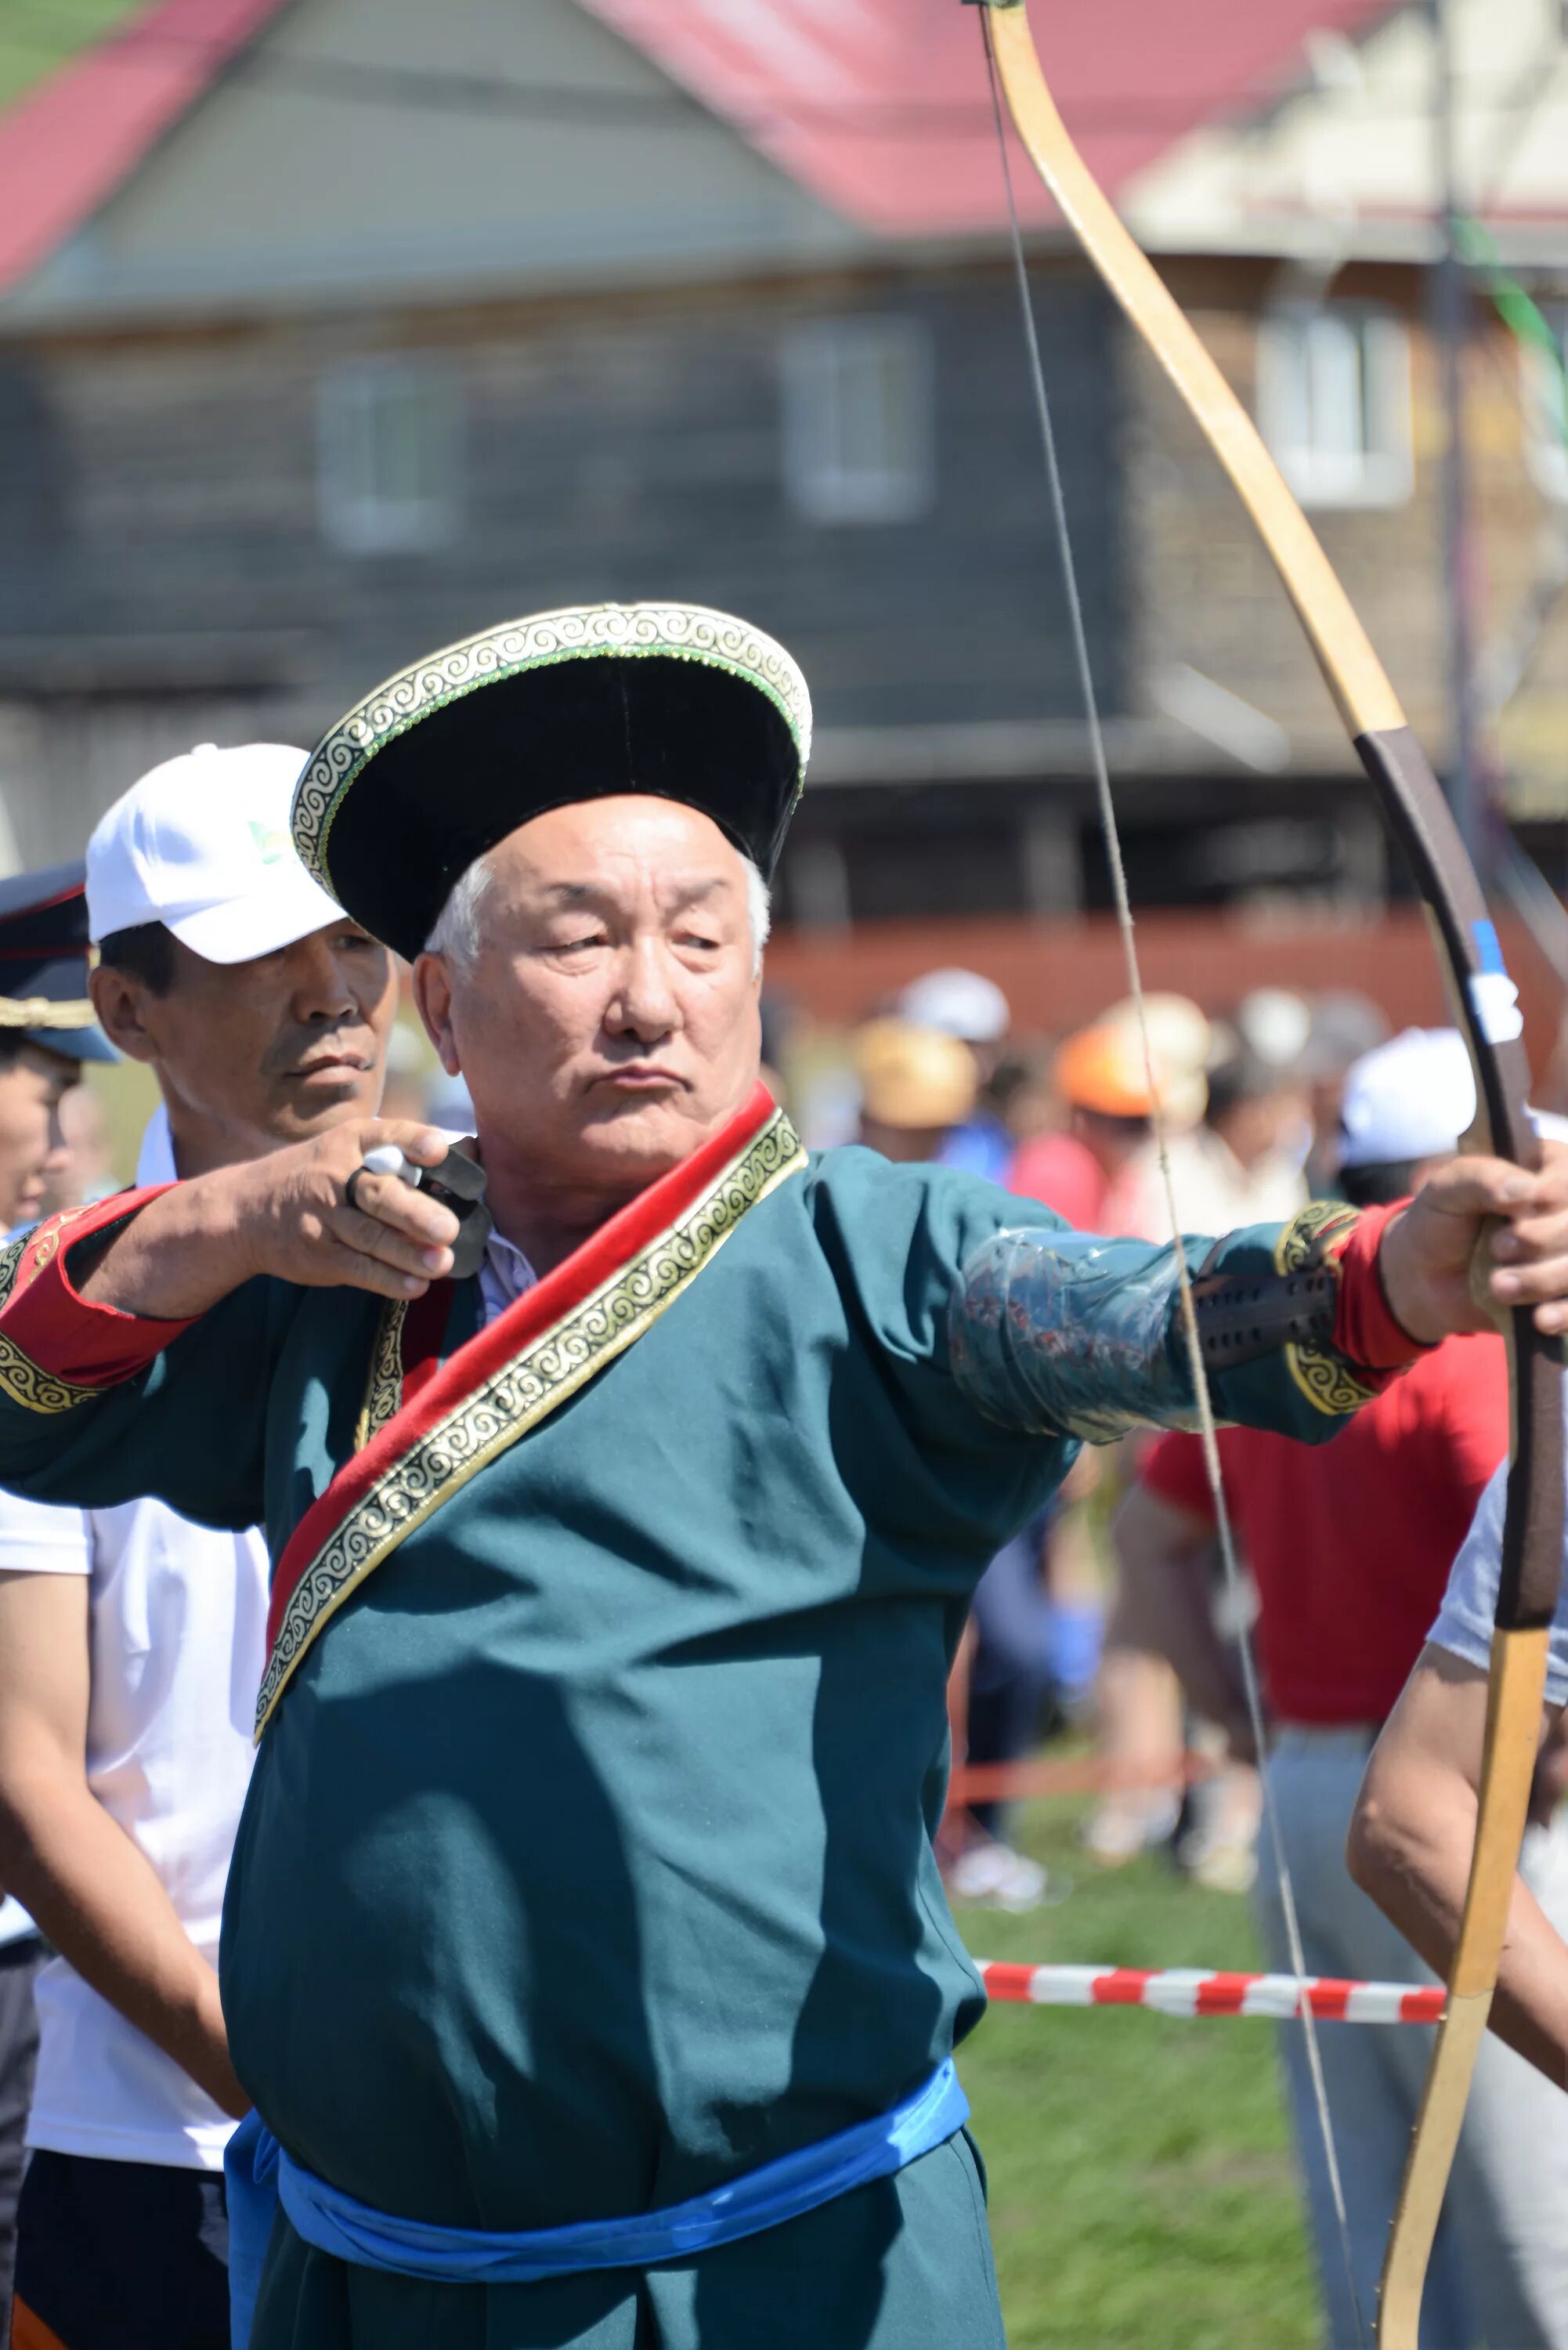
1058, 975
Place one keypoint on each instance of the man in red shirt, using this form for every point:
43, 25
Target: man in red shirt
1350, 1548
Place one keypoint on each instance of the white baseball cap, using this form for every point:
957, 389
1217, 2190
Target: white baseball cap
1411, 1098
959, 1003
202, 845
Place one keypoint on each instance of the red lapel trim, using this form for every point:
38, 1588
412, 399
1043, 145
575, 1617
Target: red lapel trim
433, 1397
60, 1346
423, 1331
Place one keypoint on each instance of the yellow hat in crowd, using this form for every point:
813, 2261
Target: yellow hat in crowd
914, 1077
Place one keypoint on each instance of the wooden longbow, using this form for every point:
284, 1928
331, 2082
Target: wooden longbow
1485, 1006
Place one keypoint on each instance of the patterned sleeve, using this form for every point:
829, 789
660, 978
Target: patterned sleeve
98, 1407
1062, 1332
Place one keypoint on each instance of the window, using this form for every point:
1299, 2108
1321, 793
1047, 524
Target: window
390, 458
858, 429
1333, 400
1545, 390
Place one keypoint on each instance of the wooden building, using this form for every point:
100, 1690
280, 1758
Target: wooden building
330, 332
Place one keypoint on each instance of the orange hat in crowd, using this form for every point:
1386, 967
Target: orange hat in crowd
913, 1077
1103, 1069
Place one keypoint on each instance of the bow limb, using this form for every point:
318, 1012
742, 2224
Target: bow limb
1485, 1007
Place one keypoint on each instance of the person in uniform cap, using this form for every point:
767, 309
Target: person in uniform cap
132, 1640
49, 1029
47, 1032
584, 1952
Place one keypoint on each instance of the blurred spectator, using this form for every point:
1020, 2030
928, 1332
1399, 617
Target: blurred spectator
43, 948
917, 1087
1350, 1545
1034, 1653
974, 1010
1022, 1094
1274, 1023
88, 1174
1181, 1041
1011, 1679
1103, 1175
1094, 1174
1346, 1026
1237, 1167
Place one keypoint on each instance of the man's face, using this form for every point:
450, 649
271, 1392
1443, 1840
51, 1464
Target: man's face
32, 1148
262, 1053
608, 1023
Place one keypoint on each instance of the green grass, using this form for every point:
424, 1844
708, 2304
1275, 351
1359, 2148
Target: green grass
37, 35
1142, 2195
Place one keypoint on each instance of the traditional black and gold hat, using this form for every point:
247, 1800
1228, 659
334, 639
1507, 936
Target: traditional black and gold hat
443, 761
43, 963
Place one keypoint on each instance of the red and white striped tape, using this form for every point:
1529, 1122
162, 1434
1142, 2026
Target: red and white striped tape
1190, 1991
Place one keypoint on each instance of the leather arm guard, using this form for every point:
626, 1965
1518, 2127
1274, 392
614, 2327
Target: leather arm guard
1060, 1332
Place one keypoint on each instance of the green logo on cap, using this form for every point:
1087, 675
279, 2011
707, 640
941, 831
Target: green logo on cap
272, 846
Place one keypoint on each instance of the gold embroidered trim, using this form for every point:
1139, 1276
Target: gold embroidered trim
523, 1392
677, 631
29, 1384
45, 1012
1322, 1374
10, 1261
384, 1382
23, 1380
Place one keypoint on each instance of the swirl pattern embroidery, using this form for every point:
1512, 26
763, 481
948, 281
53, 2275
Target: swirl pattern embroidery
23, 1380
384, 1385
1322, 1374
675, 631
521, 1395
10, 1264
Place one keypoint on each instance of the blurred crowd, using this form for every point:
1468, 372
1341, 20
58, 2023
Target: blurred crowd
1114, 1615
1248, 1102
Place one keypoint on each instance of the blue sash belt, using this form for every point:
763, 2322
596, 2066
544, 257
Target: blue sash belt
261, 2175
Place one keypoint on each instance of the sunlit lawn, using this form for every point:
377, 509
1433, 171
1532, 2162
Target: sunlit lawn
1141, 2190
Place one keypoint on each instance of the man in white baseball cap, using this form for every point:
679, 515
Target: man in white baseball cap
202, 845
1407, 1102
132, 1642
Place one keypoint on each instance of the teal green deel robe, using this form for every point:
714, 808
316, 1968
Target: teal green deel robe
587, 1859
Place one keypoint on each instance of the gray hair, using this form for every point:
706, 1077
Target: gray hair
456, 932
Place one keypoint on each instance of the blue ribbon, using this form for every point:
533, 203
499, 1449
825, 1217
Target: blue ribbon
261, 2176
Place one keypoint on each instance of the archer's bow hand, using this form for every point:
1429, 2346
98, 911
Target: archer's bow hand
1481, 1237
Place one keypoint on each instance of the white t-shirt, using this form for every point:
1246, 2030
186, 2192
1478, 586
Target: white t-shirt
178, 1631
1464, 1625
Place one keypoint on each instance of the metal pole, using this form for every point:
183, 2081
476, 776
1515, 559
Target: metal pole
1450, 320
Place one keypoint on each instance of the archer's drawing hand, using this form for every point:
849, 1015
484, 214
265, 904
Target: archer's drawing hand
305, 1215
314, 1215
1479, 1238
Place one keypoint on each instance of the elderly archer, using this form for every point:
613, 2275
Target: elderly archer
584, 1953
